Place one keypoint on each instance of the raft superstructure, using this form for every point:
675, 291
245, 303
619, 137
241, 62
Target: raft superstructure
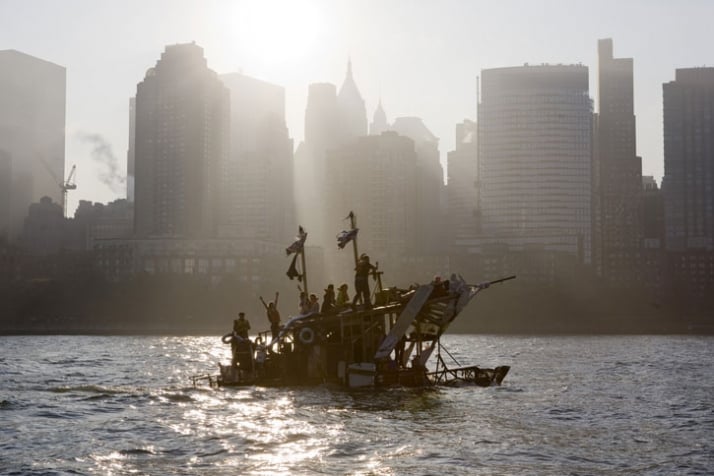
387, 344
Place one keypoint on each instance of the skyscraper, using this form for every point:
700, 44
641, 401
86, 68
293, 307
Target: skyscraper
462, 171
535, 146
181, 142
32, 131
331, 121
353, 115
259, 202
379, 121
429, 176
375, 176
617, 179
688, 184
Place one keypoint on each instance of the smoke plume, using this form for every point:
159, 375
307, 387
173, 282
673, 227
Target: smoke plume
103, 154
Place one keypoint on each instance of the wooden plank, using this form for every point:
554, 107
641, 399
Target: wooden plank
410, 312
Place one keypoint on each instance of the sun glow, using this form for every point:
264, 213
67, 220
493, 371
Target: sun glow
278, 31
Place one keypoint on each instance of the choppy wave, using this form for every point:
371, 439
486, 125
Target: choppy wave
570, 405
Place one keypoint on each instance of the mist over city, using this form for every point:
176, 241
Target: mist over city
484, 152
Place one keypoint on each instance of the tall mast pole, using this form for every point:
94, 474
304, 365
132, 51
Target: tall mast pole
353, 225
304, 269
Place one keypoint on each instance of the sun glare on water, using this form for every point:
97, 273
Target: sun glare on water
277, 31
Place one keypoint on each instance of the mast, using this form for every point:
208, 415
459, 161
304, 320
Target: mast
353, 225
304, 271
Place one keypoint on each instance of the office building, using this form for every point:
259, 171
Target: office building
32, 132
181, 144
462, 192
688, 183
259, 200
535, 157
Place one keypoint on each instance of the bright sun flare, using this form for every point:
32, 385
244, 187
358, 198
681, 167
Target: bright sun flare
276, 31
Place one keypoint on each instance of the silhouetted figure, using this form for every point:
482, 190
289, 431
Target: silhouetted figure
343, 298
304, 303
241, 326
271, 310
314, 304
362, 270
328, 300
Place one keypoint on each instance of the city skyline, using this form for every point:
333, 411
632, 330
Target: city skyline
400, 54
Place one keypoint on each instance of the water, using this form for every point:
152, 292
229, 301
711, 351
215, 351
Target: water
571, 405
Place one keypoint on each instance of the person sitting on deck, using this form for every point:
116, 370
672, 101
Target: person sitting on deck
362, 270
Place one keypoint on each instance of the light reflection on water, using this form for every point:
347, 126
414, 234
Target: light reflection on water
580, 405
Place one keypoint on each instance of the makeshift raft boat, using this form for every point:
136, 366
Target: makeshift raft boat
388, 344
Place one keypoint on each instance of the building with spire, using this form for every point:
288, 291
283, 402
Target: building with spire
332, 120
352, 112
181, 144
379, 121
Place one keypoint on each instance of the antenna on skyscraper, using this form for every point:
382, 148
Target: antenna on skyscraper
478, 94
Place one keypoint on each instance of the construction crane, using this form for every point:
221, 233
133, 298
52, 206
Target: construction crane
66, 186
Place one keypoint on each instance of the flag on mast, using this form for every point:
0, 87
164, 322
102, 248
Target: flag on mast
345, 236
299, 243
293, 271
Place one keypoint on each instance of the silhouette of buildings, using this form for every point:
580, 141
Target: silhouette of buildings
5, 193
44, 228
430, 198
98, 221
652, 257
379, 121
258, 202
181, 145
535, 149
352, 112
617, 175
331, 121
376, 177
32, 132
688, 184
462, 192
689, 160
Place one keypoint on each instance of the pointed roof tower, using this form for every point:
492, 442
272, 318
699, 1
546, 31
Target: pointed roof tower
353, 115
379, 121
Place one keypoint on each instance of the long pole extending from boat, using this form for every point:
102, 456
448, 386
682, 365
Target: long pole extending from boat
304, 271
353, 225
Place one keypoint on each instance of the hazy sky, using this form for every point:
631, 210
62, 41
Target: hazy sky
421, 57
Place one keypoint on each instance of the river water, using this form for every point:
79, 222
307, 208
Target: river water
570, 405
